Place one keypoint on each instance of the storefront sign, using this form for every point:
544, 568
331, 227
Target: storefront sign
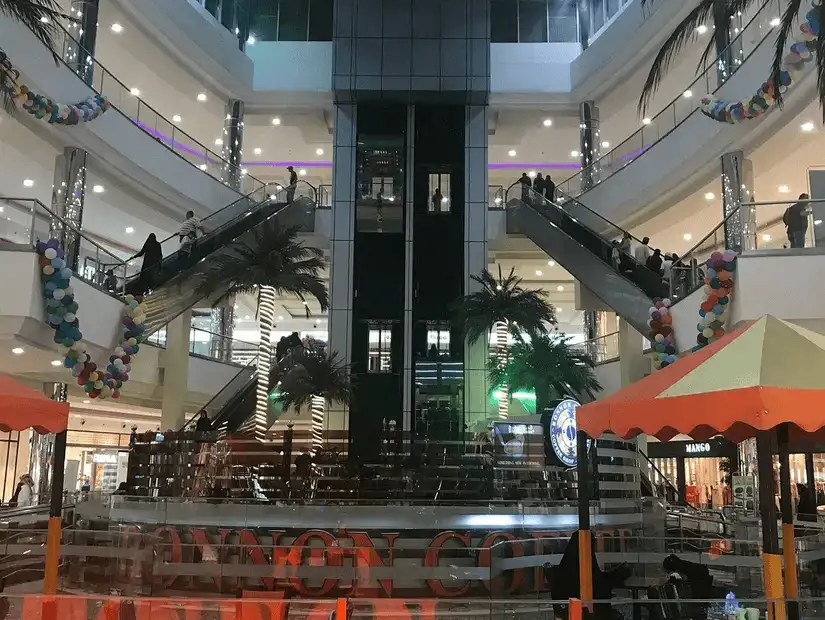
563, 431
107, 458
697, 448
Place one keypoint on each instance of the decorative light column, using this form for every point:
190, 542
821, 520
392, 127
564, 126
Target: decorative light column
737, 192
233, 144
266, 321
79, 51
68, 199
590, 142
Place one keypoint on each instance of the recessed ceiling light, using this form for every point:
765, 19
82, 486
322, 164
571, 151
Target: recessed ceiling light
117, 28
574, 153
202, 166
646, 121
218, 142
129, 230
560, 288
319, 151
687, 236
709, 195
18, 350
98, 189
687, 94
176, 118
532, 174
302, 172
775, 22
246, 317
551, 263
548, 122
539, 272
56, 363
807, 126
511, 152
44, 20
86, 402
817, 222
766, 237
258, 151
28, 183
134, 92
276, 121
784, 189
701, 29
201, 97
605, 144
280, 318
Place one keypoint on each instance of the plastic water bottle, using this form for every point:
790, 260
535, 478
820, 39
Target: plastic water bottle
731, 604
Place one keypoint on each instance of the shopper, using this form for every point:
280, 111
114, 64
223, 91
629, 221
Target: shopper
526, 184
642, 251
24, 493
436, 200
549, 189
110, 283
538, 184
379, 205
188, 232
654, 263
624, 253
203, 425
806, 507
796, 221
293, 183
152, 254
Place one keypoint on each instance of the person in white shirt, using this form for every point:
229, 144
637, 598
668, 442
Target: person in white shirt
25, 492
188, 232
642, 252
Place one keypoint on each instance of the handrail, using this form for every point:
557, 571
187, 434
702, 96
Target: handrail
207, 153
588, 346
665, 478
632, 155
229, 384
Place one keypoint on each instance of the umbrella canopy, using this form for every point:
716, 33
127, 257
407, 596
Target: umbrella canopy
22, 407
754, 378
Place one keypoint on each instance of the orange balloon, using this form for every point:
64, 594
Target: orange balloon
667, 319
722, 274
719, 333
713, 299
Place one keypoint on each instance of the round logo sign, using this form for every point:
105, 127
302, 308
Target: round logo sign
563, 431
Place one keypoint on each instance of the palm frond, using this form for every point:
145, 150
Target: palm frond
8, 83
684, 33
315, 373
503, 300
787, 24
39, 16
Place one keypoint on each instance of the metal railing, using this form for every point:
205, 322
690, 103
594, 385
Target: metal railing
205, 343
495, 197
602, 349
148, 119
680, 108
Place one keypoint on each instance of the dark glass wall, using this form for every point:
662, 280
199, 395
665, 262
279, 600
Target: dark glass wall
274, 20
378, 276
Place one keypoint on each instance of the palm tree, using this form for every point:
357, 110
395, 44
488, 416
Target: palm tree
271, 262
504, 306
38, 16
314, 378
550, 366
721, 12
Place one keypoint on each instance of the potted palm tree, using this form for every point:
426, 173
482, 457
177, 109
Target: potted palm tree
271, 262
550, 366
502, 305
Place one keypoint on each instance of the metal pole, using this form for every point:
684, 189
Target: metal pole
60, 394
585, 552
786, 503
771, 558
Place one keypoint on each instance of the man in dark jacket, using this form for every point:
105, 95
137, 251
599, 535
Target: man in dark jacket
796, 221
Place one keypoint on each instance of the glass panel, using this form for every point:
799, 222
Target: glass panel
532, 21
597, 11
563, 21
440, 198
213, 6
504, 21
438, 342
380, 340
265, 27
612, 8
293, 18
320, 20
380, 200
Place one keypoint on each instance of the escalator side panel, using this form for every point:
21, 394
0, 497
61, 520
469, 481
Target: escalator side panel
627, 300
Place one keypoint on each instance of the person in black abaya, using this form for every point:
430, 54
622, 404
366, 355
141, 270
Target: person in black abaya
152, 255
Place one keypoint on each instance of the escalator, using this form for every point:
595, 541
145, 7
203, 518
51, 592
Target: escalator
582, 242
174, 288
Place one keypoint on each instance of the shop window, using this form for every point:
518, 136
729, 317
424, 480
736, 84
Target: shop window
439, 194
380, 349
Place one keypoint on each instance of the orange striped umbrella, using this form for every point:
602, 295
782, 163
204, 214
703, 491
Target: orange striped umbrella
757, 377
22, 407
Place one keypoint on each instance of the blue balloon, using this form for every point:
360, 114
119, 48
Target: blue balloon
58, 263
718, 309
701, 312
724, 301
53, 243
66, 273
711, 273
68, 362
49, 287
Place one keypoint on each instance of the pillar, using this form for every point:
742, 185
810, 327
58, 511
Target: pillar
786, 506
771, 559
232, 151
41, 452
585, 550
68, 199
408, 396
342, 235
583, 16
590, 142
475, 255
681, 478
737, 192
60, 393
810, 479
721, 39
631, 357
176, 372
222, 326
83, 28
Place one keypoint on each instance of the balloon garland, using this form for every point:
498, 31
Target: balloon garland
661, 333
718, 290
801, 52
61, 310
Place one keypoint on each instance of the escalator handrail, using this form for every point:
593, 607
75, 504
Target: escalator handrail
630, 257
711, 66
252, 364
666, 479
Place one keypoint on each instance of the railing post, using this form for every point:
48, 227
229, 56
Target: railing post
574, 609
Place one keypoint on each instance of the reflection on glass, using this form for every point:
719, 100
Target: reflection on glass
380, 196
438, 341
440, 197
380, 342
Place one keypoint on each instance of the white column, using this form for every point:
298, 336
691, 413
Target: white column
176, 372
632, 363
475, 255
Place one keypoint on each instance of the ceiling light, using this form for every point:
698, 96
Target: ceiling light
218, 141
97, 189
551, 263
18, 350
276, 121
129, 230
687, 94
775, 22
807, 126
244, 171
86, 402
117, 28
246, 317
302, 172
202, 166
687, 236
709, 195
646, 121
548, 122
135, 92
56, 363
236, 306
817, 222
28, 183
176, 118
511, 153
44, 20
532, 174
784, 189
560, 288
766, 237
605, 144
574, 153
319, 151
280, 318
539, 272
258, 151
201, 97
278, 188
701, 29
251, 40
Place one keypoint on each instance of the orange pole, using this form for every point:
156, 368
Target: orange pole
574, 609
52, 555
789, 551
341, 609
585, 569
